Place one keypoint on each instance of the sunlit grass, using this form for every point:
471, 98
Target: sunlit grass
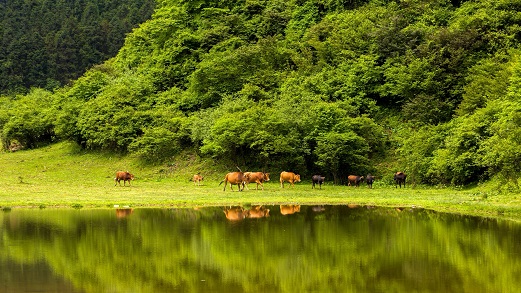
61, 175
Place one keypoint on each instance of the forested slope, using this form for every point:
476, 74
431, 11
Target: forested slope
336, 87
47, 43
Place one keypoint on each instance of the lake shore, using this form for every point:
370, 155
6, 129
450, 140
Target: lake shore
169, 193
61, 176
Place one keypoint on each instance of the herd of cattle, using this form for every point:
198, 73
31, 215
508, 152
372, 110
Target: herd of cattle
242, 179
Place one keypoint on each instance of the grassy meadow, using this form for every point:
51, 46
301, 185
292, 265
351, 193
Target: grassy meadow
63, 176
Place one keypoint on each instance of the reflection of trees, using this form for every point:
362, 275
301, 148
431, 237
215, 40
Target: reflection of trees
341, 249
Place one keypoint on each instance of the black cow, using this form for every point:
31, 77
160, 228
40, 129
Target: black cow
399, 178
317, 179
369, 179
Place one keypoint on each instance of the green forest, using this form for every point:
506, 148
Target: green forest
428, 87
48, 43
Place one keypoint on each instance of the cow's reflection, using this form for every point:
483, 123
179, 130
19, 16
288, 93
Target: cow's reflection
123, 213
318, 209
239, 213
289, 209
236, 213
258, 212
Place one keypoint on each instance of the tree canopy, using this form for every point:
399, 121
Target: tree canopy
337, 87
47, 44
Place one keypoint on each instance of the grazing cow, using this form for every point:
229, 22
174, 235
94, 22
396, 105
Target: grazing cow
290, 177
234, 178
369, 179
257, 177
399, 178
125, 176
258, 212
289, 209
354, 180
317, 179
198, 179
236, 213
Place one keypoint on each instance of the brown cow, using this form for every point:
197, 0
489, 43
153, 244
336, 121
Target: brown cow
236, 213
123, 175
258, 212
257, 177
289, 209
234, 178
290, 177
198, 179
354, 180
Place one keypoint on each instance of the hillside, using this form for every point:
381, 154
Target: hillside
49, 43
330, 87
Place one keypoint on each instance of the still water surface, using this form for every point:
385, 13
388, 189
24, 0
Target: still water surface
288, 249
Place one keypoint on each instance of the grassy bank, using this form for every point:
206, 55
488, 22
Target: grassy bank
61, 175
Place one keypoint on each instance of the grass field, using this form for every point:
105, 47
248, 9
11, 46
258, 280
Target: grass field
63, 176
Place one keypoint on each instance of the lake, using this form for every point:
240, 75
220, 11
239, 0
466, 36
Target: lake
257, 249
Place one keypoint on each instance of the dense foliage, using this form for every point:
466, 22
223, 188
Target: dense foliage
47, 43
336, 87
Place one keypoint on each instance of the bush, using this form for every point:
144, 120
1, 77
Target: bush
28, 120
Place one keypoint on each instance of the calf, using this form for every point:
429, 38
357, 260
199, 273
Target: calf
198, 179
354, 180
125, 176
317, 179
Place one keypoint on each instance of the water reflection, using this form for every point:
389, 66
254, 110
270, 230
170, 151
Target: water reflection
123, 213
258, 212
238, 213
289, 209
235, 213
257, 249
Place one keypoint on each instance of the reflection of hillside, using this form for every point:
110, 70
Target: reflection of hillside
339, 248
42, 279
